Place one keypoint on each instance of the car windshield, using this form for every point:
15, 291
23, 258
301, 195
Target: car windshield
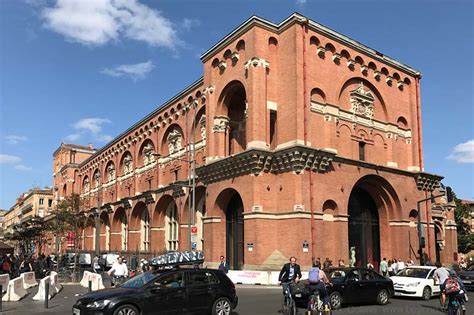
337, 275
138, 281
413, 272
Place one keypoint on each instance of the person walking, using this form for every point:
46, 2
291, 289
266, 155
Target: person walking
119, 270
384, 267
95, 264
223, 265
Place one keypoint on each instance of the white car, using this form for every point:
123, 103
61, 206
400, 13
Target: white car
416, 281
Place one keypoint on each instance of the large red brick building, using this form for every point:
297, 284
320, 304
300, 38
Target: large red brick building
306, 143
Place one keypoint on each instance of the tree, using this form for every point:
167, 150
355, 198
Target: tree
28, 235
69, 221
462, 215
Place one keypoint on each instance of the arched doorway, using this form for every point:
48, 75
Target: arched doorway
235, 232
364, 231
119, 230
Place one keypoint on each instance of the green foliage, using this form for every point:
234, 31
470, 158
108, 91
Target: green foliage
28, 234
462, 216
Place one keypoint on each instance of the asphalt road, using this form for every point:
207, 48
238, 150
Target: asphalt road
252, 300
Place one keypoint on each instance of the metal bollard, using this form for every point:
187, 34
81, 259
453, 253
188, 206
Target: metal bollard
46, 294
90, 285
1, 296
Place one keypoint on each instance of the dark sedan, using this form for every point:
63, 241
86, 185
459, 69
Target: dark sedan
170, 291
355, 285
467, 277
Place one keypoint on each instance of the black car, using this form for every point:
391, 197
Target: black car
354, 285
467, 277
168, 291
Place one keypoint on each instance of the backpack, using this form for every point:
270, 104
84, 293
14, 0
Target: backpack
452, 286
313, 275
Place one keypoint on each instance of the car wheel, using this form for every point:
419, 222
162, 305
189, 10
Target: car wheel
426, 295
126, 309
336, 300
221, 306
382, 297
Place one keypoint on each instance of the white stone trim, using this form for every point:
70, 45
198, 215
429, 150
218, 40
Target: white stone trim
256, 62
290, 144
331, 150
257, 145
399, 223
211, 220
272, 105
257, 209
298, 208
392, 164
414, 168
157, 228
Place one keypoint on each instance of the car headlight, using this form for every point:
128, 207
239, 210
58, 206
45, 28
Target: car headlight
98, 304
413, 284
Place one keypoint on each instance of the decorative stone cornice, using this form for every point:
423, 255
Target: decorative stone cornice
107, 207
221, 124
126, 204
255, 161
427, 182
256, 62
148, 198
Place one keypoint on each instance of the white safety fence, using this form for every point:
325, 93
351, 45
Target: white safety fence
54, 287
15, 290
95, 278
257, 277
29, 280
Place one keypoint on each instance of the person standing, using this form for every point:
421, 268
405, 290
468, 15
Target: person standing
384, 267
401, 264
440, 275
289, 272
119, 270
95, 264
223, 265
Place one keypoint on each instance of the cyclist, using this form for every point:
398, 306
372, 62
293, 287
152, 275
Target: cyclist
290, 272
454, 290
317, 282
441, 274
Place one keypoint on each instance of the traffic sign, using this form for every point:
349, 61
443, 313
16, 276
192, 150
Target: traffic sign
194, 230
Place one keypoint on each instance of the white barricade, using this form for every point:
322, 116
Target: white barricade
95, 278
29, 279
15, 291
85, 279
55, 282
4, 280
41, 294
249, 277
97, 283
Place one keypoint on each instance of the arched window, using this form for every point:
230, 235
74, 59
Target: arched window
110, 169
127, 163
172, 227
145, 231
97, 180
86, 184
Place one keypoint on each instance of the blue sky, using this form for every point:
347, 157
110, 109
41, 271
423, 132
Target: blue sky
84, 71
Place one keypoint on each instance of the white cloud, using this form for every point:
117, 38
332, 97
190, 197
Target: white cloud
22, 167
463, 152
97, 22
6, 158
189, 24
14, 139
136, 71
91, 127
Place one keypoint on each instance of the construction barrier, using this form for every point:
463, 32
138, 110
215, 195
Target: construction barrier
85, 279
257, 277
4, 280
15, 291
29, 279
41, 294
55, 282
95, 278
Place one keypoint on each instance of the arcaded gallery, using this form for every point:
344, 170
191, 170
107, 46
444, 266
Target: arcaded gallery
296, 141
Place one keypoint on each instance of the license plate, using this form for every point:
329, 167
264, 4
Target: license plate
298, 295
75, 311
467, 281
398, 293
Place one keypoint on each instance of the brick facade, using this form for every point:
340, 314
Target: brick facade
287, 122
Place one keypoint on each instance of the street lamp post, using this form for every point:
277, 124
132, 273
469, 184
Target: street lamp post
97, 219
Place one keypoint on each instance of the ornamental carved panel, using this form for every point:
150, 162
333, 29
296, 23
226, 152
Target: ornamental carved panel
362, 101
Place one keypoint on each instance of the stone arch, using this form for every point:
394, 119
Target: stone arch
318, 96
139, 228
233, 106
89, 233
126, 163
146, 154
345, 54
272, 41
314, 41
173, 140
413, 215
359, 60
86, 184
372, 66
354, 86
119, 230
402, 122
96, 178
230, 204
109, 172
330, 47
330, 207
104, 231
240, 45
374, 199
199, 125
344, 142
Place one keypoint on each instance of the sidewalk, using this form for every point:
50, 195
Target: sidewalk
61, 303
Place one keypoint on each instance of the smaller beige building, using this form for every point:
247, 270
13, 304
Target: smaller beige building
36, 203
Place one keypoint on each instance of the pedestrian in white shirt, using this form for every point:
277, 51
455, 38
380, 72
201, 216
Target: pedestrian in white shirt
119, 270
401, 264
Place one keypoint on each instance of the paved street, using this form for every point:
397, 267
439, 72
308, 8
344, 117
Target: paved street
253, 300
